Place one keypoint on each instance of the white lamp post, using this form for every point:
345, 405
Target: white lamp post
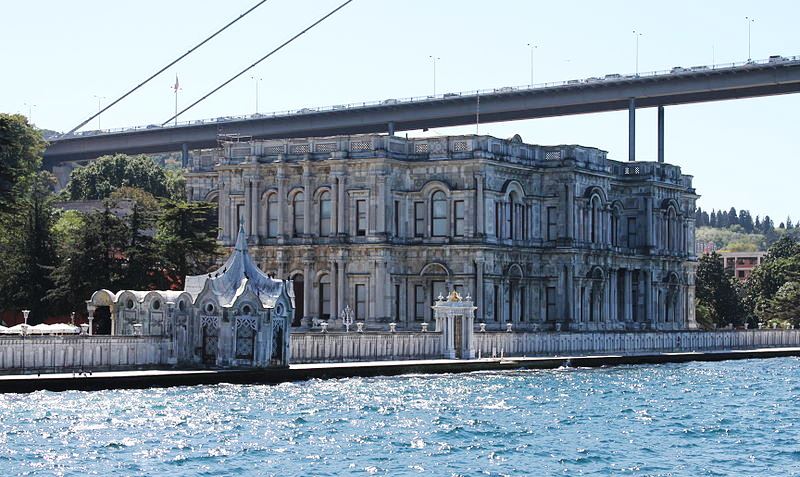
25, 314
636, 35
347, 318
434, 58
750, 22
532, 47
257, 80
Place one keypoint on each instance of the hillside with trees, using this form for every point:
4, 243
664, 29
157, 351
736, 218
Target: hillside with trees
734, 231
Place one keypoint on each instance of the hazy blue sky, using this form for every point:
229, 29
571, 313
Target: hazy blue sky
59, 56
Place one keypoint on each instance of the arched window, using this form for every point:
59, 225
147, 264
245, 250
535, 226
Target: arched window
615, 215
595, 220
272, 216
299, 214
325, 214
438, 214
671, 227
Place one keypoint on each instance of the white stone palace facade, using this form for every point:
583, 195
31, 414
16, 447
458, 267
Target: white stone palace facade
545, 238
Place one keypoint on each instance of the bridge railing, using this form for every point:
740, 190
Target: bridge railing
699, 69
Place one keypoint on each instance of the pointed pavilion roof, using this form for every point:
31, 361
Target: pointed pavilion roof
238, 275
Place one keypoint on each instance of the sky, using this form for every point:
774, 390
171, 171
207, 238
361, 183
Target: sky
61, 58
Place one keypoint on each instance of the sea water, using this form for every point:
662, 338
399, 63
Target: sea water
693, 419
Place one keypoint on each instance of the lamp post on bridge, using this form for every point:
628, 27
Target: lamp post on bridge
750, 22
636, 35
434, 58
257, 80
532, 47
99, 98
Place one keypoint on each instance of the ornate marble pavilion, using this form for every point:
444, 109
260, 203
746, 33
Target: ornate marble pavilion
236, 316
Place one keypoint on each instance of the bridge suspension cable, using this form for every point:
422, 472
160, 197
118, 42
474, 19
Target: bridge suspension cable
167, 67
257, 62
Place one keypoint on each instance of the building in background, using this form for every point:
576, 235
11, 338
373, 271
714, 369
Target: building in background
742, 263
545, 238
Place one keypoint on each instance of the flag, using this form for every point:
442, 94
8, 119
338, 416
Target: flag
177, 85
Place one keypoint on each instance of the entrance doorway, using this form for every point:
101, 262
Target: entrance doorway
210, 344
102, 321
458, 338
299, 298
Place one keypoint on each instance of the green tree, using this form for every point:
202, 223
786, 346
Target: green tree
21, 147
108, 173
28, 251
141, 261
716, 289
785, 305
90, 258
176, 185
780, 266
186, 239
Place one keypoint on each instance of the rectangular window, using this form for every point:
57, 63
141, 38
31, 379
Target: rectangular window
498, 220
361, 217
497, 303
239, 217
325, 216
551, 303
419, 302
419, 219
458, 218
361, 302
522, 299
438, 289
325, 300
272, 216
552, 223
396, 303
632, 240
396, 218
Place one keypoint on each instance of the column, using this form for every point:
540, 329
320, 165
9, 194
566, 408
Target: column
334, 279
613, 297
380, 207
222, 202
479, 288
308, 278
628, 298
255, 210
649, 232
480, 229
248, 208
661, 134
632, 129
569, 295
308, 199
570, 212
606, 315
341, 286
379, 287
281, 177
341, 206
334, 205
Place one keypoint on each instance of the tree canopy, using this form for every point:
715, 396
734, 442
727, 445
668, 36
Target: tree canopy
21, 147
108, 173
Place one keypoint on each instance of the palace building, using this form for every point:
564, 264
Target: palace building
542, 237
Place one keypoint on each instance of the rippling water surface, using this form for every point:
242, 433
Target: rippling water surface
729, 418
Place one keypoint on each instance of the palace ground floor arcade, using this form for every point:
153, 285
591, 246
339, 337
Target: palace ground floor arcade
562, 289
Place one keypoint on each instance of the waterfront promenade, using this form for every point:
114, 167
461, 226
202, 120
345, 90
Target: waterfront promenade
297, 372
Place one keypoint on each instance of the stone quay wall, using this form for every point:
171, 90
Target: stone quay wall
318, 347
71, 353
337, 347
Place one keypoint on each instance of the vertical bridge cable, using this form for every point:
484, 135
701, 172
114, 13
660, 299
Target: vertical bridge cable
167, 67
259, 61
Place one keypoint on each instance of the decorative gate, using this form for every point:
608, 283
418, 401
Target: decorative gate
210, 325
245, 337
